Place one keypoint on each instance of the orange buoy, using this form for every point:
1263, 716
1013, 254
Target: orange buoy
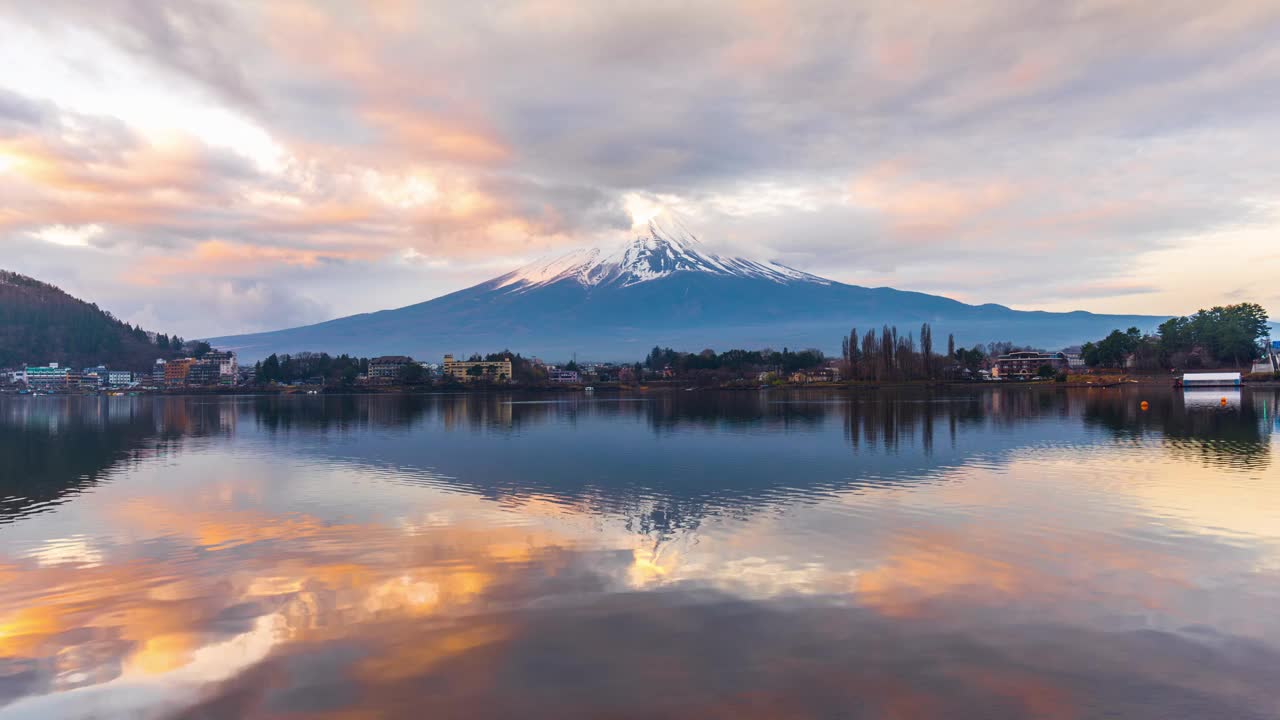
1145, 406
1224, 402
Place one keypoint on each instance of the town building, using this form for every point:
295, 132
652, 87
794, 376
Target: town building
157, 372
175, 372
815, 375
1075, 357
97, 373
468, 370
387, 369
1026, 364
204, 372
228, 368
119, 378
48, 377
557, 375
81, 380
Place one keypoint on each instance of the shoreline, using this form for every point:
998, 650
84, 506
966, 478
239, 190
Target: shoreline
654, 388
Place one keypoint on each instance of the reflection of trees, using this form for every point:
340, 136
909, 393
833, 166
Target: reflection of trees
583, 451
890, 422
53, 448
1232, 436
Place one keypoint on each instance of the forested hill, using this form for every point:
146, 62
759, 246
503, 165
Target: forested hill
39, 324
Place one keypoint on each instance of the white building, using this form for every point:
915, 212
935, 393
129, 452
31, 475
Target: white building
119, 378
1218, 379
228, 368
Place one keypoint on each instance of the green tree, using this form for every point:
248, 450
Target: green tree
269, 370
1226, 333
412, 374
1112, 350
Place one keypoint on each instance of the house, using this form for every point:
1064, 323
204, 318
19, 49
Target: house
468, 370
387, 369
815, 375
556, 375
1026, 364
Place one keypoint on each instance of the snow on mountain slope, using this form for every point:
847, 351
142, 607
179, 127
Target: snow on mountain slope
666, 248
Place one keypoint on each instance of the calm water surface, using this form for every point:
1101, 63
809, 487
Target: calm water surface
995, 554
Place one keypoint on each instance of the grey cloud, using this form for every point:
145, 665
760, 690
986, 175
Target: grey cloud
1119, 128
18, 112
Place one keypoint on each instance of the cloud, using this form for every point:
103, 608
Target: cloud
947, 150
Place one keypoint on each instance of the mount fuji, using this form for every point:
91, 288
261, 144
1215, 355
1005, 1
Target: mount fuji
664, 288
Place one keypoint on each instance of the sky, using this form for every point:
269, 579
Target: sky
212, 167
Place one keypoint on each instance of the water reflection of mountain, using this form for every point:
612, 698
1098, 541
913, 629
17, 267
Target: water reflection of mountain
52, 448
665, 461
668, 461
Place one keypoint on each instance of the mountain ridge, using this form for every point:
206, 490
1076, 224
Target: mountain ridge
667, 248
41, 323
664, 288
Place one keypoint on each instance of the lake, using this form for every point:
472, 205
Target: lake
999, 553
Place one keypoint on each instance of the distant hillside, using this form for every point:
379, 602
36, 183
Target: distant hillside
39, 324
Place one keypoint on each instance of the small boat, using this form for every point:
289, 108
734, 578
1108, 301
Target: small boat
588, 389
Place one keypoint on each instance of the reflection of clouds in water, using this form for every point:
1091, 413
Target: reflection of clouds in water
486, 611
142, 693
501, 595
698, 654
74, 550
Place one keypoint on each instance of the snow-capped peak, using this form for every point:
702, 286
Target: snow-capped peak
665, 247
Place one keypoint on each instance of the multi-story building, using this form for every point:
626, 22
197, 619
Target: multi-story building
387, 368
815, 375
1025, 364
204, 372
176, 371
157, 372
119, 378
468, 370
97, 373
48, 377
557, 375
228, 369
81, 380
1075, 357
